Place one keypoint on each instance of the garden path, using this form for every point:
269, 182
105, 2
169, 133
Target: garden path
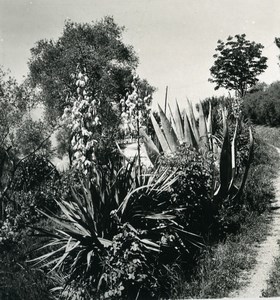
268, 251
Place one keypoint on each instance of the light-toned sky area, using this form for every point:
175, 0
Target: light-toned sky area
174, 39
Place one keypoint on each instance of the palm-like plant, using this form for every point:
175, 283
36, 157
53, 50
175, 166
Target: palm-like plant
102, 209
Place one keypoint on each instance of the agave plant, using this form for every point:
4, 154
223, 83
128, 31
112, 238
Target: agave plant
227, 188
181, 128
121, 209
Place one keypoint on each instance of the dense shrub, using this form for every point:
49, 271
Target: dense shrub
262, 105
18, 279
34, 187
220, 265
192, 191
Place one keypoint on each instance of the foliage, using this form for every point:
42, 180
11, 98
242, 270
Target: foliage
237, 64
97, 47
13, 105
18, 280
263, 106
216, 104
34, 186
270, 135
31, 135
259, 191
181, 128
120, 210
15, 134
193, 189
83, 118
230, 160
109, 63
222, 264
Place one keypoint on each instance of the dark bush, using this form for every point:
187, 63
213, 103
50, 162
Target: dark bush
192, 192
262, 105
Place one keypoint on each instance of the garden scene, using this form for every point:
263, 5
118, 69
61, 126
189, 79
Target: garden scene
112, 187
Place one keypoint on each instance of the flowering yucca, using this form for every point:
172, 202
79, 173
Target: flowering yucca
83, 120
135, 108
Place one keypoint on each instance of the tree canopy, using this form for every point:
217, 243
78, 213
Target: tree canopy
98, 47
237, 64
262, 104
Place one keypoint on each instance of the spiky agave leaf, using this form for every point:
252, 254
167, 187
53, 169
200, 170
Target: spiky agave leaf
172, 120
227, 189
189, 136
192, 120
245, 175
151, 148
209, 119
179, 123
168, 131
225, 166
233, 157
161, 137
203, 132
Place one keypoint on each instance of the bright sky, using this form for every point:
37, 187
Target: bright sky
174, 39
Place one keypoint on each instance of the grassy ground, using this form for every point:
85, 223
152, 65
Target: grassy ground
269, 134
273, 283
220, 268
272, 135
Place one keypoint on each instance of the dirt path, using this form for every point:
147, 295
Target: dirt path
268, 250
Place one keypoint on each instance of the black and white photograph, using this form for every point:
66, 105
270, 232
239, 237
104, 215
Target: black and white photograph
139, 149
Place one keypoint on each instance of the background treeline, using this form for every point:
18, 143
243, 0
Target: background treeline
262, 104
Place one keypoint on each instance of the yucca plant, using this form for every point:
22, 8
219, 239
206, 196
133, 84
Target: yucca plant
113, 213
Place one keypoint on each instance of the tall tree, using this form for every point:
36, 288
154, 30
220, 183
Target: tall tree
96, 49
237, 64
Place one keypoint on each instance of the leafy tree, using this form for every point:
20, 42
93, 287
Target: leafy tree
33, 134
237, 65
13, 106
96, 49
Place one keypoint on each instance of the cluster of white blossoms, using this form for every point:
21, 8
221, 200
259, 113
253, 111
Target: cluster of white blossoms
82, 118
134, 108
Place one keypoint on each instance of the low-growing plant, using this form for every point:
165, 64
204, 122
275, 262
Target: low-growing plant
19, 280
33, 186
119, 212
259, 191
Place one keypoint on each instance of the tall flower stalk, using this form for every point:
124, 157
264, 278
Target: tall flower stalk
135, 110
83, 119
